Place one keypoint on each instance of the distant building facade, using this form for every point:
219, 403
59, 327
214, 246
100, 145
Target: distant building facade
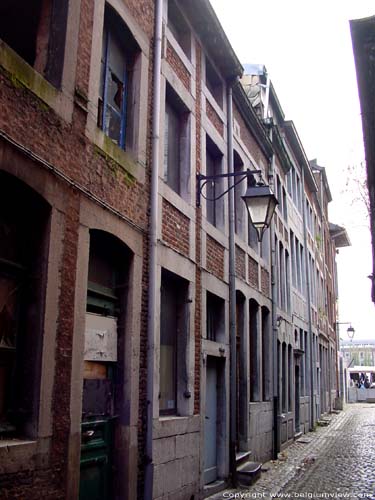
358, 352
122, 306
363, 39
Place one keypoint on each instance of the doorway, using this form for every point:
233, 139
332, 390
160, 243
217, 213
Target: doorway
210, 422
297, 390
103, 378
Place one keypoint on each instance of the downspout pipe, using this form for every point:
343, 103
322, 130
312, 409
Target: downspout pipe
275, 361
274, 271
232, 295
309, 319
152, 283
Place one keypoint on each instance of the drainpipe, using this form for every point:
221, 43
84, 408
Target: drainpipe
308, 280
152, 290
275, 447
275, 374
232, 296
326, 374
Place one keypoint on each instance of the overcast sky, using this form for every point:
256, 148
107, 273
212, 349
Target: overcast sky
307, 50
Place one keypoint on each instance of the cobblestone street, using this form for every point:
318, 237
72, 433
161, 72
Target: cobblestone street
337, 461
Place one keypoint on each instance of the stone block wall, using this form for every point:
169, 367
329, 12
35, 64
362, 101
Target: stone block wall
261, 423
176, 457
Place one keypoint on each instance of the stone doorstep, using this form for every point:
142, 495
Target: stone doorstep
248, 473
214, 488
323, 422
242, 457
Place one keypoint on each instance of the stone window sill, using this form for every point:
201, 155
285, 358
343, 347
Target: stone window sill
16, 455
22, 75
128, 167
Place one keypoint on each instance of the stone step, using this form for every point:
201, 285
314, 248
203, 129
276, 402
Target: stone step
323, 422
248, 473
242, 457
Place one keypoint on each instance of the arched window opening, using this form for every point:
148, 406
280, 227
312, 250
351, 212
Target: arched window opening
24, 226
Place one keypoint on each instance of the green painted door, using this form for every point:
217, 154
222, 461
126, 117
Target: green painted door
96, 463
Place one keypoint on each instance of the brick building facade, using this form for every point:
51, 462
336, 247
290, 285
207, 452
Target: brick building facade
115, 349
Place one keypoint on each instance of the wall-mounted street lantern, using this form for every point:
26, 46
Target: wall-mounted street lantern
350, 330
259, 199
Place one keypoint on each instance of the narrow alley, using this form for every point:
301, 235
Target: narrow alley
335, 461
345, 457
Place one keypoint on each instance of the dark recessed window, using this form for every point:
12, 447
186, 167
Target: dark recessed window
215, 205
214, 83
215, 321
173, 338
23, 257
179, 27
176, 144
36, 30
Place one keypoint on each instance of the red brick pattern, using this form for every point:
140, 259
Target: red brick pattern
64, 338
178, 66
84, 46
175, 228
215, 257
265, 281
253, 273
68, 150
214, 118
240, 263
143, 13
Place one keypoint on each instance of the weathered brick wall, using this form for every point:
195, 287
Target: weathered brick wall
67, 149
214, 118
175, 228
33, 124
240, 263
84, 46
64, 339
215, 257
178, 66
30, 485
253, 273
265, 281
143, 13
